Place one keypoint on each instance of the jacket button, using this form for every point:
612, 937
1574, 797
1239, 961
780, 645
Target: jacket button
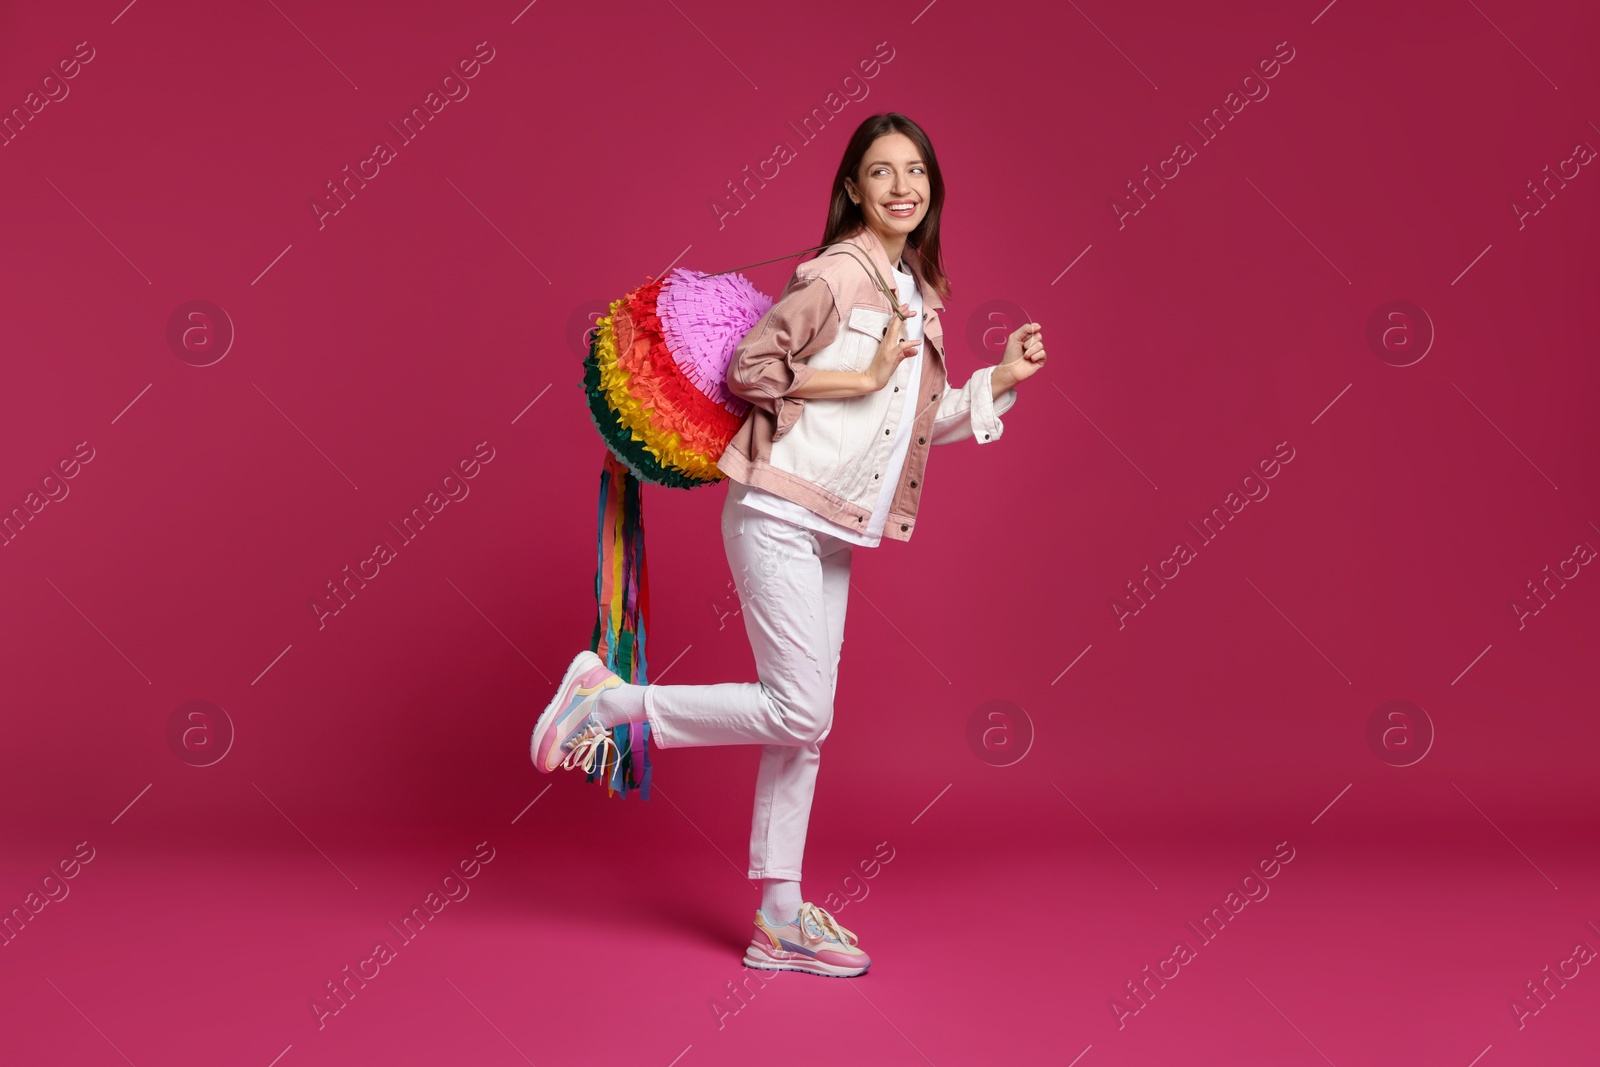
922, 440
935, 396
897, 388
985, 437
913, 483
874, 476
885, 332
903, 526
886, 433
858, 518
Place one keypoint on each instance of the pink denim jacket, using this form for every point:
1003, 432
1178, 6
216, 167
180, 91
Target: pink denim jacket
829, 455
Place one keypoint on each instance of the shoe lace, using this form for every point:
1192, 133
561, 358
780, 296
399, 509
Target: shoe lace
586, 747
810, 915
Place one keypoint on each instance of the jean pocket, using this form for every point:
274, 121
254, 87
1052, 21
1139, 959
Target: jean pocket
732, 519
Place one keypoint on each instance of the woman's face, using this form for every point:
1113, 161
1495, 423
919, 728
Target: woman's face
892, 186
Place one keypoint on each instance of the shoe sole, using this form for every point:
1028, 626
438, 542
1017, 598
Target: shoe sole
760, 961
558, 703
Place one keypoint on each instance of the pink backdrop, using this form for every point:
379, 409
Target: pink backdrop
1379, 269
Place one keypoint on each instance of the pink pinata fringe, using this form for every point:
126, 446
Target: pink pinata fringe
703, 319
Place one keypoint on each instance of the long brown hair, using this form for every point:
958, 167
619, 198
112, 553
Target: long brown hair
845, 217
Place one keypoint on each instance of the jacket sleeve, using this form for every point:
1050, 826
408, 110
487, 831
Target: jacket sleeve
763, 370
972, 411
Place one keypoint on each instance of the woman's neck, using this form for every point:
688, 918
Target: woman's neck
893, 247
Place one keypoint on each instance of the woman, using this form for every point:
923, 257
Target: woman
831, 456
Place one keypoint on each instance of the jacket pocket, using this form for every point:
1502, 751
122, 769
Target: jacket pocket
813, 448
865, 330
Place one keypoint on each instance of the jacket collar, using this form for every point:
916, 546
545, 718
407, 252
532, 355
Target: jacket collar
868, 242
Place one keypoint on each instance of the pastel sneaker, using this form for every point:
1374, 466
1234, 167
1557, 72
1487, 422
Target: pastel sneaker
814, 942
567, 733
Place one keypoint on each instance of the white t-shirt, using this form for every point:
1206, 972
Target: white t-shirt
772, 504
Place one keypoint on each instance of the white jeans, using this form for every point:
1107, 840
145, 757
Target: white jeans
793, 584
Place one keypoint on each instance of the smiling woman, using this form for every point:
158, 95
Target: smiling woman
845, 392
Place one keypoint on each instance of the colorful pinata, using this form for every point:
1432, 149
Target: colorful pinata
656, 374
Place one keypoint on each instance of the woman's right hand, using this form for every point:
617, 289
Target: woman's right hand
891, 350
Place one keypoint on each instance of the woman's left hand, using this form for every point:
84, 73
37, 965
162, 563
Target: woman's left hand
1024, 355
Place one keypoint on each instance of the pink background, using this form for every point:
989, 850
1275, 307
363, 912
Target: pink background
441, 307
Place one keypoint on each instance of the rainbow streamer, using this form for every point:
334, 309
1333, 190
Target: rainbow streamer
622, 604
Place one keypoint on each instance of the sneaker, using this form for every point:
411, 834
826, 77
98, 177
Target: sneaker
567, 734
813, 942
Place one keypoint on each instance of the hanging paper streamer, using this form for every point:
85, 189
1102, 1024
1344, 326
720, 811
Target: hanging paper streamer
623, 609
